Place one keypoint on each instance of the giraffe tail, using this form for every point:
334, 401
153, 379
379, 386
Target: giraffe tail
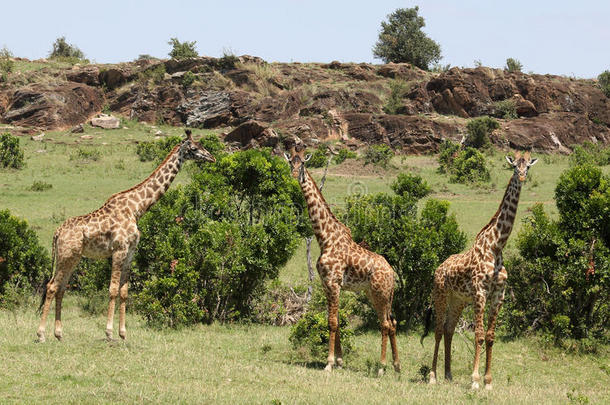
48, 279
427, 323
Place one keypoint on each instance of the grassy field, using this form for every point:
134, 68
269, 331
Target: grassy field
253, 363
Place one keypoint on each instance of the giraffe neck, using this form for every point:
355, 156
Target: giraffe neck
148, 192
497, 231
324, 223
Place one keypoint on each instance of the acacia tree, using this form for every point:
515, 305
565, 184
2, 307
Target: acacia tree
402, 40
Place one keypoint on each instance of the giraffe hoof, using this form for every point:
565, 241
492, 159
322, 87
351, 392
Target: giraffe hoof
123, 334
432, 380
59, 336
488, 387
475, 385
397, 367
328, 368
339, 362
381, 372
109, 335
41, 338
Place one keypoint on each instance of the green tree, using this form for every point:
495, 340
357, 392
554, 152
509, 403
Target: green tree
11, 154
604, 82
402, 40
207, 248
7, 65
513, 65
62, 49
478, 131
182, 50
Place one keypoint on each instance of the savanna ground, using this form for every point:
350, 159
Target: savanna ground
255, 363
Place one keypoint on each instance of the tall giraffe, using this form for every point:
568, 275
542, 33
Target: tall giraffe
476, 276
112, 231
345, 264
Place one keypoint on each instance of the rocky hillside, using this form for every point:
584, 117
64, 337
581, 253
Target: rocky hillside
259, 102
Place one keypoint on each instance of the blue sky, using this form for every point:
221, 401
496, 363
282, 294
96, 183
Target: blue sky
558, 37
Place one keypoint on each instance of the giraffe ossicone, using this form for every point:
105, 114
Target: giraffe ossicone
477, 276
345, 264
112, 231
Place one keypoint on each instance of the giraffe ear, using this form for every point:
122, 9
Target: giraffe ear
189, 134
510, 160
532, 162
307, 157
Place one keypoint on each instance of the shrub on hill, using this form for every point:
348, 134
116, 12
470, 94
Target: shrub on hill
379, 155
6, 64
478, 131
589, 153
561, 282
24, 264
343, 155
182, 50
64, 51
413, 244
319, 157
11, 154
156, 151
464, 165
604, 82
207, 248
513, 65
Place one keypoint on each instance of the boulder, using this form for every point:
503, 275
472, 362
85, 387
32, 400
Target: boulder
79, 129
37, 138
52, 106
253, 133
106, 121
88, 75
113, 77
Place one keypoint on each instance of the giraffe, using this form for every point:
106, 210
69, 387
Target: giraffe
476, 276
111, 231
345, 264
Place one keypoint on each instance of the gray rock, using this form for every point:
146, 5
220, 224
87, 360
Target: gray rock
106, 122
208, 110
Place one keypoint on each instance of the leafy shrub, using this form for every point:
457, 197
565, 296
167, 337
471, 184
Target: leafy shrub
207, 248
182, 50
402, 40
604, 82
513, 65
155, 74
228, 60
63, 50
506, 109
311, 333
413, 244
319, 156
589, 153
343, 155
156, 150
86, 155
464, 165
24, 264
379, 155
7, 65
40, 185
478, 131
407, 184
398, 90
11, 154
188, 79
561, 281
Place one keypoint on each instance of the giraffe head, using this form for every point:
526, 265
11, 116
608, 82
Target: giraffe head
521, 164
296, 158
193, 150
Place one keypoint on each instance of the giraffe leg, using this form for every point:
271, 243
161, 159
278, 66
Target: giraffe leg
496, 304
453, 315
118, 258
55, 289
479, 336
440, 308
338, 350
395, 359
124, 286
332, 297
381, 304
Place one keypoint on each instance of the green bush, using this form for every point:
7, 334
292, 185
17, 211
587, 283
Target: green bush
155, 74
63, 50
604, 82
413, 244
407, 184
11, 154
506, 109
343, 155
379, 155
228, 60
7, 65
86, 155
188, 79
40, 185
319, 157
513, 65
464, 165
24, 264
478, 131
402, 40
310, 333
398, 90
561, 282
182, 50
589, 153
156, 151
207, 248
